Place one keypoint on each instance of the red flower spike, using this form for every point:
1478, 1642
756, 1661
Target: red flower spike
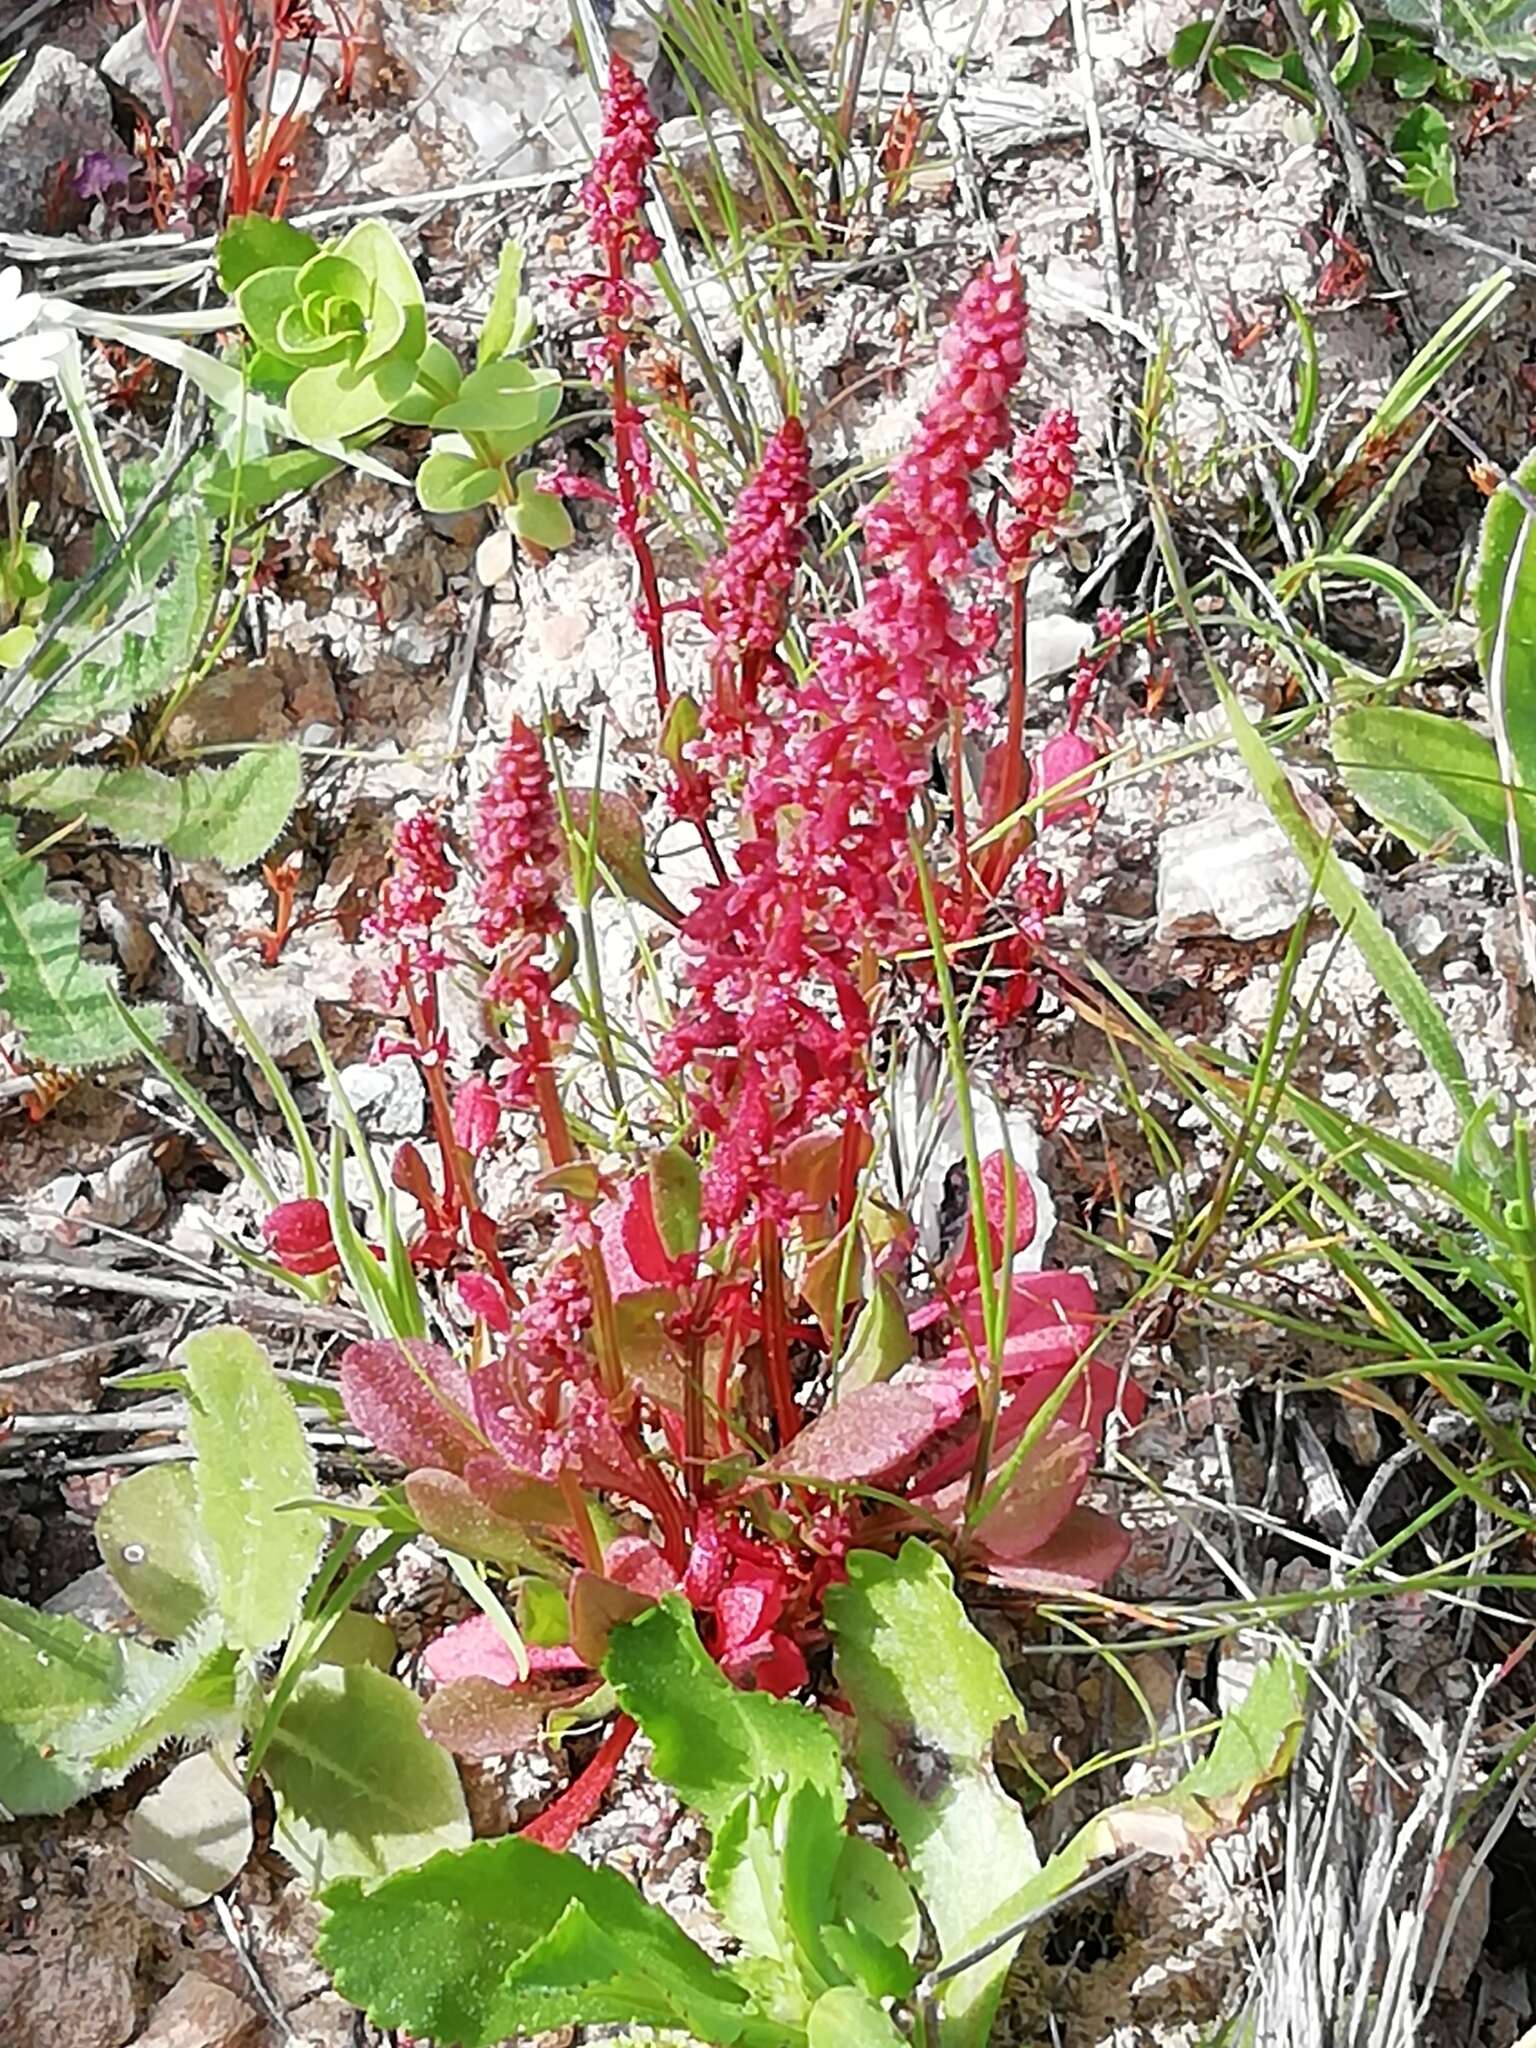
298, 1235
1044, 471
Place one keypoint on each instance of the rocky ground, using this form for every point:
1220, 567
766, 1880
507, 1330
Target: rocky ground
1149, 217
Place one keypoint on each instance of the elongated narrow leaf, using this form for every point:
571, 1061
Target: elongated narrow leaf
60, 1003
930, 1697
1433, 781
712, 1743
231, 815
361, 1791
506, 1938
164, 1696
252, 1461
1253, 1749
1504, 600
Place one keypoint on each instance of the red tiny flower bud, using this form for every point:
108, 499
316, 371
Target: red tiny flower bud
298, 1235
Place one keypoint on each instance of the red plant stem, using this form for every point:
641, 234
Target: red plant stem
712, 852
556, 1826
770, 1259
1010, 784
693, 1416
628, 426
590, 1549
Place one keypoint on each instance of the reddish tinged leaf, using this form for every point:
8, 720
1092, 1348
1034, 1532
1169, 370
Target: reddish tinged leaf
1096, 1393
1084, 1551
479, 1717
1051, 1320
452, 1514
1040, 1495
598, 1605
810, 1166
515, 1496
634, 1256
634, 1561
477, 1649
874, 1432
963, 1275
404, 1395
1064, 760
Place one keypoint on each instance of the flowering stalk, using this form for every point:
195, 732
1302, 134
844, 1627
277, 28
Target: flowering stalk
614, 195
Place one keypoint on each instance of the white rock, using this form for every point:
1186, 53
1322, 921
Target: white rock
1232, 872
389, 1097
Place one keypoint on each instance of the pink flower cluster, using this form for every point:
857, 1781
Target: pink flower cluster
746, 595
518, 851
614, 197
1044, 472
776, 1017
413, 898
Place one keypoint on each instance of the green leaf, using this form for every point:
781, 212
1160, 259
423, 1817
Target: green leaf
879, 1342
509, 319
252, 242
1433, 781
452, 482
376, 252
237, 494
673, 1175
1192, 42
60, 1004
845, 2018
229, 815
770, 1878
505, 1938
878, 1927
505, 397
712, 1743
163, 1697
539, 518
361, 1792
438, 378
335, 400
452, 1515
929, 1697
1504, 604
151, 1541
252, 1457
1423, 141
52, 1671
1478, 38
193, 1833
1253, 1749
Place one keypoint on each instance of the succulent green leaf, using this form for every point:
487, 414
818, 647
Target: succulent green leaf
506, 1938
449, 481
1433, 781
61, 1004
929, 1697
193, 1833
509, 319
252, 243
506, 397
252, 1459
361, 1791
438, 378
394, 285
1477, 38
539, 518
335, 400
712, 1743
880, 1341
262, 301
151, 1541
230, 815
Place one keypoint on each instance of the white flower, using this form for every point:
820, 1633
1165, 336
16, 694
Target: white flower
28, 352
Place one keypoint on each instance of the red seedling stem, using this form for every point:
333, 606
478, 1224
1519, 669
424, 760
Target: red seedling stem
557, 1825
770, 1258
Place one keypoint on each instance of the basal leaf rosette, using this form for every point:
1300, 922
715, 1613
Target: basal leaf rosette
348, 324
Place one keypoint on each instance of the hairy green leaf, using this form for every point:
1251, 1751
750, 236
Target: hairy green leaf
229, 815
929, 1697
712, 1743
52, 1671
252, 1458
845, 2018
506, 1938
361, 1791
162, 1697
151, 1541
59, 1003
